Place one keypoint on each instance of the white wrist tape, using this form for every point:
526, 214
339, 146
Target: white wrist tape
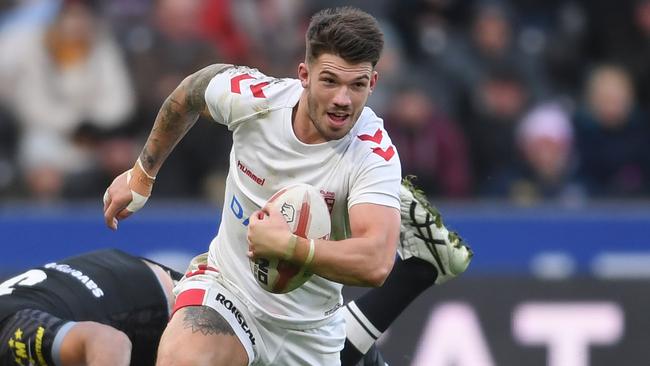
138, 200
310, 255
144, 171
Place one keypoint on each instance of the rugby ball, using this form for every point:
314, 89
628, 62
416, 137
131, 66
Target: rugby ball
306, 212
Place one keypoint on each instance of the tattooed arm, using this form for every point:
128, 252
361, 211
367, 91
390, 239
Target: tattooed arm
130, 190
177, 115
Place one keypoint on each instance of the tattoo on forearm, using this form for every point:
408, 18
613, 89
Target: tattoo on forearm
206, 320
147, 159
170, 113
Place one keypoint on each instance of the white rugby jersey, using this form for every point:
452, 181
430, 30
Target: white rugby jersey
362, 167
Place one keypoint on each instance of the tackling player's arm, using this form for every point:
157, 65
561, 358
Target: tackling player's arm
95, 344
130, 190
365, 259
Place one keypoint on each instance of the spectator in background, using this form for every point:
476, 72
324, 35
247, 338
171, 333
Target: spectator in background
275, 30
495, 106
431, 146
172, 44
545, 170
633, 51
8, 135
66, 85
639, 60
424, 25
424, 30
613, 136
175, 45
564, 54
491, 44
226, 33
619, 32
393, 68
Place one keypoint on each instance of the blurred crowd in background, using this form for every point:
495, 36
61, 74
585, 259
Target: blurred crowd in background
529, 100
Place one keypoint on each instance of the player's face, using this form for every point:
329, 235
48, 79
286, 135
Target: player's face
336, 93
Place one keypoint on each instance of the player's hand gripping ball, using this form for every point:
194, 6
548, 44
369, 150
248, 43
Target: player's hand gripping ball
306, 212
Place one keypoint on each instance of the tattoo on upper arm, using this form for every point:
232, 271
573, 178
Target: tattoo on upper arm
199, 83
178, 114
206, 320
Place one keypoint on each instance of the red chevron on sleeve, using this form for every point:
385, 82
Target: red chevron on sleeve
235, 83
376, 138
386, 154
257, 89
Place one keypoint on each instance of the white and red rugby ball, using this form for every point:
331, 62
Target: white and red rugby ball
306, 212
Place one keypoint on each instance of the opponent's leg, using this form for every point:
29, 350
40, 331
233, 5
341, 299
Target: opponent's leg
424, 235
368, 317
429, 254
372, 358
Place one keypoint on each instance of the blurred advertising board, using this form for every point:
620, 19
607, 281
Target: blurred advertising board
516, 321
605, 241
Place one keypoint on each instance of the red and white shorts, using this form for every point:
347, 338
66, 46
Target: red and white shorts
264, 342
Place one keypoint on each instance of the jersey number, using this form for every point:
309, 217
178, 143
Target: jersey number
256, 89
29, 278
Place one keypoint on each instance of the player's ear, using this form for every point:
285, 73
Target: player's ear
303, 74
373, 80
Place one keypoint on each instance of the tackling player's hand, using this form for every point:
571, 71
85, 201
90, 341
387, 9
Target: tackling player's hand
268, 234
128, 193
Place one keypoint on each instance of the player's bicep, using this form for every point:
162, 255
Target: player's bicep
379, 223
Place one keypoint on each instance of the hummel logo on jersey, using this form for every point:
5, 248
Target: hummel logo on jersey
240, 319
250, 174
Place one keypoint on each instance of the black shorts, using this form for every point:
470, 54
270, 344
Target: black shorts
31, 337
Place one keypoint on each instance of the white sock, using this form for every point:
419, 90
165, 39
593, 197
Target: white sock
359, 330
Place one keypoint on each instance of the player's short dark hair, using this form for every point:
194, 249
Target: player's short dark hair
347, 32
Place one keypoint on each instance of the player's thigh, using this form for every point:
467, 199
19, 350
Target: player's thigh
199, 335
32, 334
